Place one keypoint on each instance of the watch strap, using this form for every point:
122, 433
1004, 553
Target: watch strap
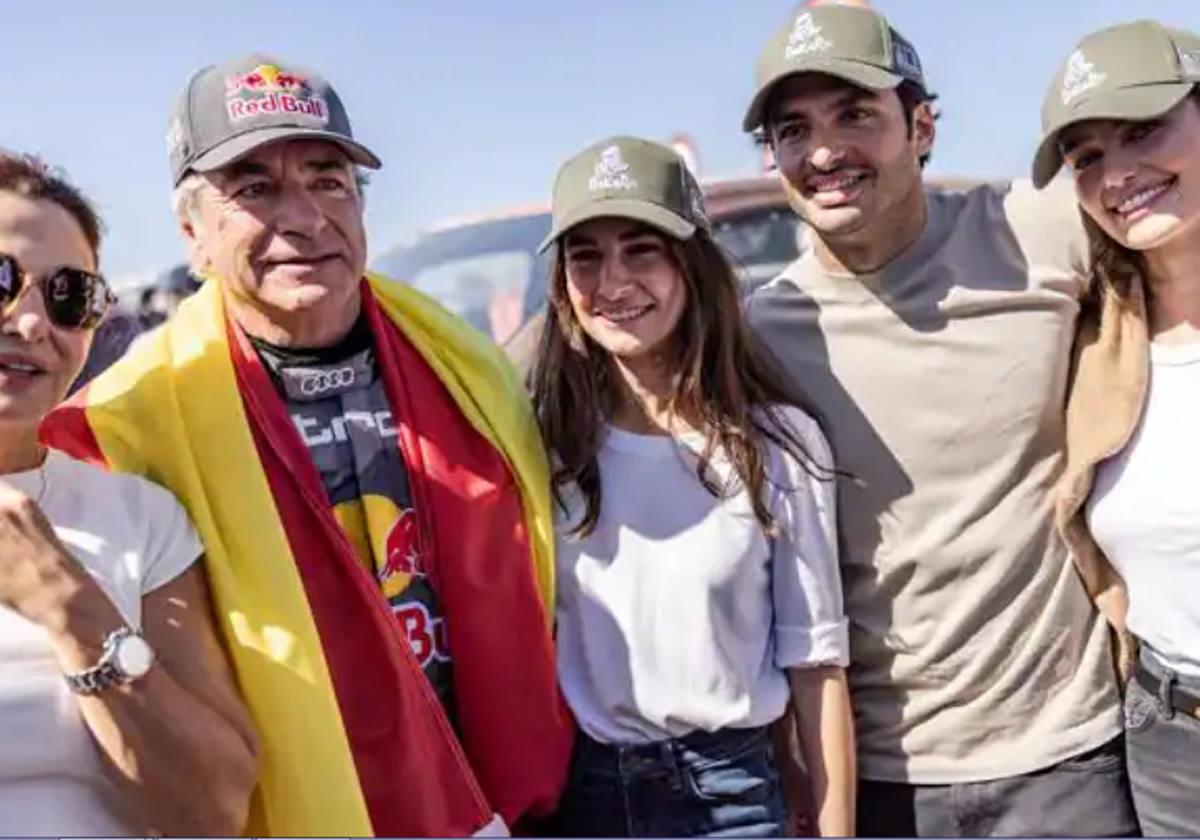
95, 679
105, 673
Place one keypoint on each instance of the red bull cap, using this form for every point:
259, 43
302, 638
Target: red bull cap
229, 110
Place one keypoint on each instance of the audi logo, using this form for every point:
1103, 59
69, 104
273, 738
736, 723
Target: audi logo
319, 383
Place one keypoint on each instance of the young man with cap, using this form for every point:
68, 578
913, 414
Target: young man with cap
367, 480
1124, 114
931, 332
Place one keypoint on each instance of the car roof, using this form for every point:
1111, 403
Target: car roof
722, 193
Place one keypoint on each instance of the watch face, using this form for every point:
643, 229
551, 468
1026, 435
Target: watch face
133, 657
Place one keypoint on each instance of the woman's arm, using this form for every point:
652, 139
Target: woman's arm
812, 634
826, 726
177, 743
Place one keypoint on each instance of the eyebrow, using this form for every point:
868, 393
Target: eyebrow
1066, 145
1070, 141
635, 232
243, 169
853, 96
328, 164
248, 168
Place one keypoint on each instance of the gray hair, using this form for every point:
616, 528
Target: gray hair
183, 196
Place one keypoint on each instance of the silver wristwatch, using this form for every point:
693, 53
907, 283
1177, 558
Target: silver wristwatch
125, 657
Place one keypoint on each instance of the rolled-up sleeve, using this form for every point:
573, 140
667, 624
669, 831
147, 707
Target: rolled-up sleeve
810, 623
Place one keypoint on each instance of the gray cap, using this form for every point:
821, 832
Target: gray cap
852, 43
229, 110
1134, 71
630, 178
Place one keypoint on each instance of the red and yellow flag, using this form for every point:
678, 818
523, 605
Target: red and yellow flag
355, 742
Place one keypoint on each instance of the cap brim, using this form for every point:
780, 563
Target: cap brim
655, 215
855, 72
236, 147
1144, 102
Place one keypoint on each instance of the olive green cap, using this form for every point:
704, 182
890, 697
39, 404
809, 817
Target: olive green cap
1134, 71
631, 178
852, 43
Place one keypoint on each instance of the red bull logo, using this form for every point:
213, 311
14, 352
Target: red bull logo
403, 548
269, 90
426, 634
265, 78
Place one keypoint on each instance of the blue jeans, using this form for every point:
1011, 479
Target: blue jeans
1164, 755
718, 784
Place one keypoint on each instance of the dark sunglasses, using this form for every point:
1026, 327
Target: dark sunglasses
74, 298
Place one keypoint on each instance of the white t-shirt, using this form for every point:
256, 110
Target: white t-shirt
677, 613
1144, 511
132, 537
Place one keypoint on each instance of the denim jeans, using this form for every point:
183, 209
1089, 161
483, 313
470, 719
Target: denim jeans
1085, 796
719, 784
1164, 757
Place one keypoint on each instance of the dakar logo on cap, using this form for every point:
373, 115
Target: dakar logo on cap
269, 90
1080, 77
611, 172
806, 38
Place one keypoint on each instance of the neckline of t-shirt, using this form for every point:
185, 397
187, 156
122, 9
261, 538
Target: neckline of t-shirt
29, 481
1173, 355
937, 224
626, 441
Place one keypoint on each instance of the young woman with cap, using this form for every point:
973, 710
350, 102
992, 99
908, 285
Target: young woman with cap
697, 564
1124, 115
118, 712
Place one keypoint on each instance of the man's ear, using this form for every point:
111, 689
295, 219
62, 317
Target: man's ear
197, 258
924, 128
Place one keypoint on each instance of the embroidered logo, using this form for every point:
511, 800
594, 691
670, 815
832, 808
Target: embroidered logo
1080, 77
806, 38
611, 172
269, 90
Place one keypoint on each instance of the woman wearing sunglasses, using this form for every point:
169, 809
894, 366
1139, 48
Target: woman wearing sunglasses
697, 565
118, 714
1124, 115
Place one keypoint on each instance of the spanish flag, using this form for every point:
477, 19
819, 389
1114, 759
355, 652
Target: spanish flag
355, 741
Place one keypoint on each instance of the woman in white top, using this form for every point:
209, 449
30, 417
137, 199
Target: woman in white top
1124, 114
698, 581
118, 712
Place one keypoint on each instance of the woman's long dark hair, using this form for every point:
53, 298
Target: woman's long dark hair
724, 380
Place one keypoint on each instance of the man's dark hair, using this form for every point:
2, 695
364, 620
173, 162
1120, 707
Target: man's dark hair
29, 176
912, 96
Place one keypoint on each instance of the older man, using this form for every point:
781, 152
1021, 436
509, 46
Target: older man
366, 476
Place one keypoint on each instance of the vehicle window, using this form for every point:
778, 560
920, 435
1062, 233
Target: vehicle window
761, 242
486, 290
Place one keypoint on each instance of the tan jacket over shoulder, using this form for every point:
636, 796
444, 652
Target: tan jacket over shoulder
1110, 371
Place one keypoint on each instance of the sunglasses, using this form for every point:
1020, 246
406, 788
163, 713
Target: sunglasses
74, 298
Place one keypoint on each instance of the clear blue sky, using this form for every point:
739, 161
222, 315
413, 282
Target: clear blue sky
472, 104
